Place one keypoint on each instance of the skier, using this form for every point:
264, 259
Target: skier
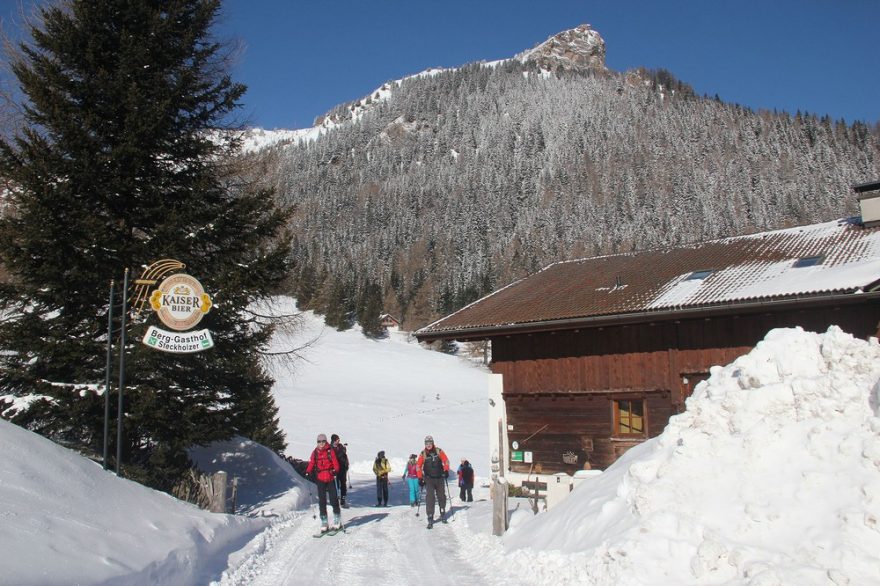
411, 475
466, 481
433, 469
381, 468
322, 470
341, 478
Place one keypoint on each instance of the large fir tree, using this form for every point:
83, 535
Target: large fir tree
120, 163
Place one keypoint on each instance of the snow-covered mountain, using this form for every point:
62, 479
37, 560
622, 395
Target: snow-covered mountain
442, 186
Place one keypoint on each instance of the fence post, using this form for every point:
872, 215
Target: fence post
499, 506
218, 498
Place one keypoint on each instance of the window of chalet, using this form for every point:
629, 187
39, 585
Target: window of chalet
629, 418
698, 275
808, 261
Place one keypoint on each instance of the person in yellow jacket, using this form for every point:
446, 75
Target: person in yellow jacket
381, 468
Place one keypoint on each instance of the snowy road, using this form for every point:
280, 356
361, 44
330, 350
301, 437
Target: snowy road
381, 546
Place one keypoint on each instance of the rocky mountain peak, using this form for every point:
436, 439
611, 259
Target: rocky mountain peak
575, 49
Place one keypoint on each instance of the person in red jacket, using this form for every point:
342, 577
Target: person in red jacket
433, 470
322, 470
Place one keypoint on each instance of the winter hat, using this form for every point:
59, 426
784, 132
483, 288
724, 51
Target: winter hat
322, 437
334, 437
381, 455
429, 439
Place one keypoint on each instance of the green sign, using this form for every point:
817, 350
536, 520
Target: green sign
516, 456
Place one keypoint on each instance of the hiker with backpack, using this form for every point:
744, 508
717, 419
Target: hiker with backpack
322, 470
411, 476
465, 481
433, 470
381, 468
341, 478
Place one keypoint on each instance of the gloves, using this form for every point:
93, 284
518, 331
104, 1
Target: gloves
421, 482
446, 474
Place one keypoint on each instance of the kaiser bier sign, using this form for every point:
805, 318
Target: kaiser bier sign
180, 302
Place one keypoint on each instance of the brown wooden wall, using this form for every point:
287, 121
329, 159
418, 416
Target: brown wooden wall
566, 380
578, 424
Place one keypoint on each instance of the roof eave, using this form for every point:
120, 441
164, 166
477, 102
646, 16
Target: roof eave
731, 308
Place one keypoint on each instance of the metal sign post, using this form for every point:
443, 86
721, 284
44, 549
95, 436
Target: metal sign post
107, 375
121, 373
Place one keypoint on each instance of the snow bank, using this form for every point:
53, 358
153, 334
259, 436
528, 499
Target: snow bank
267, 485
771, 477
65, 520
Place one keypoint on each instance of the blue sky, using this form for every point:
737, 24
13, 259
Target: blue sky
301, 58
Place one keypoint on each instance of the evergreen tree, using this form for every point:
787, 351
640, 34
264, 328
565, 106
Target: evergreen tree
120, 163
370, 310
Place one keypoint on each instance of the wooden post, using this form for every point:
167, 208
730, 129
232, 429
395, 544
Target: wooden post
218, 496
499, 506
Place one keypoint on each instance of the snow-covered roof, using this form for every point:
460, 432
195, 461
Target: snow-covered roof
832, 258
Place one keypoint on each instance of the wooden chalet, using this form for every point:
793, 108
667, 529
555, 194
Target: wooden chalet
389, 321
596, 354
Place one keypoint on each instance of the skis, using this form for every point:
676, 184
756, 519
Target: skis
329, 532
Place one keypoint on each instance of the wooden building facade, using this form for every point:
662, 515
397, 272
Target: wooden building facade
597, 354
585, 396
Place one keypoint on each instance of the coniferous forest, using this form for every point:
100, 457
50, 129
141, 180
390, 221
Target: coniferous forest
465, 180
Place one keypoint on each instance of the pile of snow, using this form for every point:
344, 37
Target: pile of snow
65, 520
266, 484
771, 477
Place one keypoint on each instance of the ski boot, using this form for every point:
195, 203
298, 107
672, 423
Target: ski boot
442, 516
324, 526
337, 523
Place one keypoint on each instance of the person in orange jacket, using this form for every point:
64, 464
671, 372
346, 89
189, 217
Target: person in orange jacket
322, 470
433, 470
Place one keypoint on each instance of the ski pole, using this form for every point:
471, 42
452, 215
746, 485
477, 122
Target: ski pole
421, 490
449, 496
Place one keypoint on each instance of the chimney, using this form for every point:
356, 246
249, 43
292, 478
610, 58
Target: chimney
869, 202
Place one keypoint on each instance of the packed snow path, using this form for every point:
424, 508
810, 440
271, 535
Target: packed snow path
381, 545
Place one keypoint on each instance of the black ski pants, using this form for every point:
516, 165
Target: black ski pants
325, 488
342, 483
435, 487
382, 490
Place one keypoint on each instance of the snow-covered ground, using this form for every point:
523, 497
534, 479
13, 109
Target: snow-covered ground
771, 477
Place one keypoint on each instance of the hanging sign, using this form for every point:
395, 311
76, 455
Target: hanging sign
180, 302
178, 342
